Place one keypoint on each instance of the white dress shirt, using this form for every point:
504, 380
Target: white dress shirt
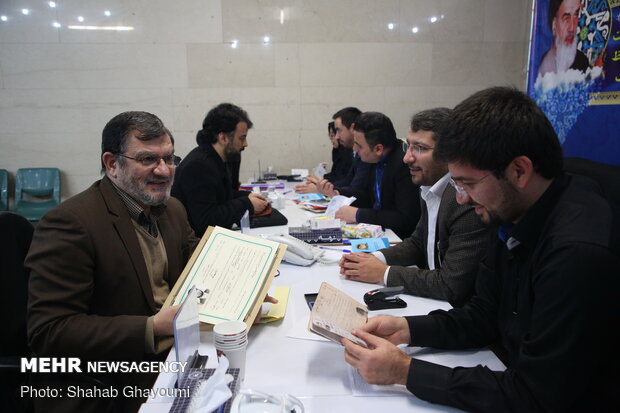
432, 197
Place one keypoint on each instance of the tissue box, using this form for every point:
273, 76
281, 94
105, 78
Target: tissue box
362, 231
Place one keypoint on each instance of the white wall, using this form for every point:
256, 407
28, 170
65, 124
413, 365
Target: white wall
59, 86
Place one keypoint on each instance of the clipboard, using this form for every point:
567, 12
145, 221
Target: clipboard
219, 245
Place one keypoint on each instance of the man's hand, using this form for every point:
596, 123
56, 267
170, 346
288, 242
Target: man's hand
362, 267
326, 188
347, 214
307, 188
381, 363
162, 321
259, 202
393, 329
268, 299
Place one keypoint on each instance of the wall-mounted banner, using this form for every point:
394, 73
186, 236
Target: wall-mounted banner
574, 74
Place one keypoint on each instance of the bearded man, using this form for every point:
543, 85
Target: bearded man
102, 264
207, 180
563, 17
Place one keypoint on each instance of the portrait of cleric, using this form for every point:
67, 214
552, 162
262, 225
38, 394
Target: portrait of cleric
563, 20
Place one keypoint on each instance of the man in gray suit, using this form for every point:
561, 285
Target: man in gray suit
439, 260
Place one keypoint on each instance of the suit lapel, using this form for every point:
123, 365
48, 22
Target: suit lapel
127, 233
441, 236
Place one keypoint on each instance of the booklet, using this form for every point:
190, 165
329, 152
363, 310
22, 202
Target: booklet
334, 315
369, 244
232, 273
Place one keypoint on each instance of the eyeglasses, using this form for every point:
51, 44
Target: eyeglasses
417, 148
150, 161
461, 189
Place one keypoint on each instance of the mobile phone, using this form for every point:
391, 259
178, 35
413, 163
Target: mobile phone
310, 299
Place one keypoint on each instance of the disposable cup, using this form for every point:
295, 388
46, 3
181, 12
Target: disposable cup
230, 329
230, 339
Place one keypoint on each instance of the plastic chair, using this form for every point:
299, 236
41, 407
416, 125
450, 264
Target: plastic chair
31, 184
4, 190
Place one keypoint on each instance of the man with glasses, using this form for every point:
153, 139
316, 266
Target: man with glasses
207, 180
389, 198
440, 259
103, 262
547, 287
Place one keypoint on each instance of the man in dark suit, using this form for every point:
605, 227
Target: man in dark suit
389, 198
207, 181
440, 259
103, 262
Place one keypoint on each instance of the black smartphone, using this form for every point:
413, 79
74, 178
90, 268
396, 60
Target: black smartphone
310, 299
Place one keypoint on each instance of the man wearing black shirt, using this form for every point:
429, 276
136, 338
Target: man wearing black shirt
547, 288
207, 180
341, 156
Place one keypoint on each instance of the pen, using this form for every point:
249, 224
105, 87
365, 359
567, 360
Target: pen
333, 248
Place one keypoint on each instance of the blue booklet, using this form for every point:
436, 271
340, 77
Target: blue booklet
369, 244
310, 197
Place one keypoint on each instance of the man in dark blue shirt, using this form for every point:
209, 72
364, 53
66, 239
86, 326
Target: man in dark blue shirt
389, 198
547, 288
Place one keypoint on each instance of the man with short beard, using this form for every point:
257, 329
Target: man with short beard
103, 262
207, 181
440, 259
563, 16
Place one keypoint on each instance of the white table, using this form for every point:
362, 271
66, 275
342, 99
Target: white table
315, 370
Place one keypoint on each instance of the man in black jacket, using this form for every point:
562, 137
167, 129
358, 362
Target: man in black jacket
207, 180
547, 287
342, 156
389, 198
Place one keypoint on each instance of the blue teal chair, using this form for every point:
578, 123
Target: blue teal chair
37, 190
4, 190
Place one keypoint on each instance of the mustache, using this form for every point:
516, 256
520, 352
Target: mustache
159, 180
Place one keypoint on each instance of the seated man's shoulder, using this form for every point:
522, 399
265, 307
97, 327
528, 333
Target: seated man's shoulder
198, 155
583, 215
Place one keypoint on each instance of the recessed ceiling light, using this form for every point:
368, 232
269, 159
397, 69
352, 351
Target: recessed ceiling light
433, 19
391, 26
234, 44
3, 18
107, 13
414, 30
25, 11
266, 39
116, 28
52, 4
56, 25
80, 19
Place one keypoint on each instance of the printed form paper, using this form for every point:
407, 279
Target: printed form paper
230, 271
